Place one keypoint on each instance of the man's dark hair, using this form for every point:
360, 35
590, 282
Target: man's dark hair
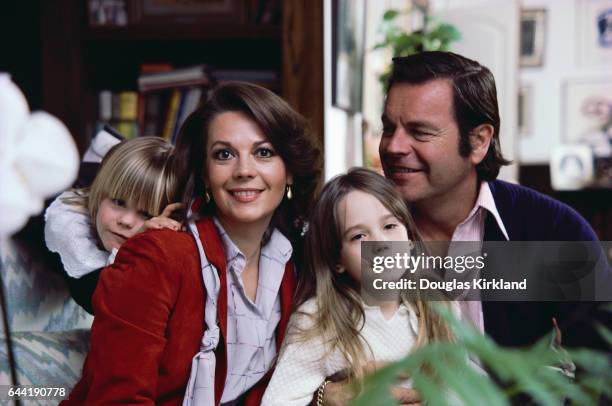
474, 98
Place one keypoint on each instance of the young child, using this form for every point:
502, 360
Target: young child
333, 329
133, 191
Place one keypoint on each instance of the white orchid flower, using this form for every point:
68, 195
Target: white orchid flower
38, 158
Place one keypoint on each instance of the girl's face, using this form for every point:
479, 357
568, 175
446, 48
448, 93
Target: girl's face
116, 221
364, 218
245, 175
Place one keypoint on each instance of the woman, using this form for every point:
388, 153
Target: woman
223, 293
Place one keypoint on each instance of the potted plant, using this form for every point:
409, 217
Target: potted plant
434, 36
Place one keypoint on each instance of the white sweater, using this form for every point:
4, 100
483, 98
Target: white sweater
303, 366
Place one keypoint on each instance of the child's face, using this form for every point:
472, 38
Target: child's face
116, 221
364, 218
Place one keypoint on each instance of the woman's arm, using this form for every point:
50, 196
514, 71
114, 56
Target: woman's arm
132, 303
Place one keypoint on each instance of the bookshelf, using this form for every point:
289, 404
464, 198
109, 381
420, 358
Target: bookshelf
79, 60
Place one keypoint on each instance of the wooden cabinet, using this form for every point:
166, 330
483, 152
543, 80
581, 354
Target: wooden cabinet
78, 60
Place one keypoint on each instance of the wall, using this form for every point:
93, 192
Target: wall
561, 63
343, 131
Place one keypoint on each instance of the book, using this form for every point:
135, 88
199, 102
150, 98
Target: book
189, 102
119, 109
195, 75
128, 106
105, 105
127, 128
171, 115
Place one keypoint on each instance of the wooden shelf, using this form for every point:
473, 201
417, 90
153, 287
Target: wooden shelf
184, 32
79, 60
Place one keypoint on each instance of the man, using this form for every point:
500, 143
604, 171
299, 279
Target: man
440, 146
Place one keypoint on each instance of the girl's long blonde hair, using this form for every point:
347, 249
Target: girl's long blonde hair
340, 314
140, 171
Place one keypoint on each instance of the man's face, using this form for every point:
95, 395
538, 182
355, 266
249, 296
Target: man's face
419, 148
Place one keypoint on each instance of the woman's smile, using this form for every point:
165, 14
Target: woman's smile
245, 195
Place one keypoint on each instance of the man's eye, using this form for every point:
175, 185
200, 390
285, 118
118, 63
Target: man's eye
119, 202
222, 154
421, 135
264, 152
387, 130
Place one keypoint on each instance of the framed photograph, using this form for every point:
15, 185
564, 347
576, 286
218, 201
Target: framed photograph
571, 167
348, 38
533, 34
107, 12
525, 111
158, 12
588, 113
594, 32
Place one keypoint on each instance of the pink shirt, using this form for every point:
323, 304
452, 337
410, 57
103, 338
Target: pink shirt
472, 229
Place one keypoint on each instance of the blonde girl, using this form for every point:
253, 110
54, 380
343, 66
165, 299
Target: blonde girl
134, 190
333, 329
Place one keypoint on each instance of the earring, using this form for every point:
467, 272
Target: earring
207, 196
289, 192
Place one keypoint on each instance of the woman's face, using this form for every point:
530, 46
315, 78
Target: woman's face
244, 174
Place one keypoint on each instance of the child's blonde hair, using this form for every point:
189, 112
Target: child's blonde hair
340, 315
140, 171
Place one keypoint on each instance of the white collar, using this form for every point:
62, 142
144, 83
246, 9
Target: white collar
486, 201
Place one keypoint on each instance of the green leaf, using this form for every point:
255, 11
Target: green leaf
390, 15
593, 362
377, 387
448, 31
429, 390
605, 333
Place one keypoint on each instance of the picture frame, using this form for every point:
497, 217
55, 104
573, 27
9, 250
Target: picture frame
594, 33
348, 48
525, 111
571, 167
532, 37
107, 13
163, 12
588, 111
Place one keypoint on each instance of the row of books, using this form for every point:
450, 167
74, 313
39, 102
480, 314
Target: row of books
166, 96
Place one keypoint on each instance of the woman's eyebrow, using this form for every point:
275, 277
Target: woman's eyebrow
223, 143
258, 143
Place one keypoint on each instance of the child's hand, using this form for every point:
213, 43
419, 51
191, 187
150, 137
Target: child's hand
164, 220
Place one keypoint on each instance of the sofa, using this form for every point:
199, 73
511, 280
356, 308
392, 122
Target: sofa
49, 331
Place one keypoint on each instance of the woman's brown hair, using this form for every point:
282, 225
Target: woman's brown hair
286, 130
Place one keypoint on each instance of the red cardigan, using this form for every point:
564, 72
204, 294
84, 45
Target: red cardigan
149, 322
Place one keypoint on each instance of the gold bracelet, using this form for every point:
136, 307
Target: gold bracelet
321, 391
